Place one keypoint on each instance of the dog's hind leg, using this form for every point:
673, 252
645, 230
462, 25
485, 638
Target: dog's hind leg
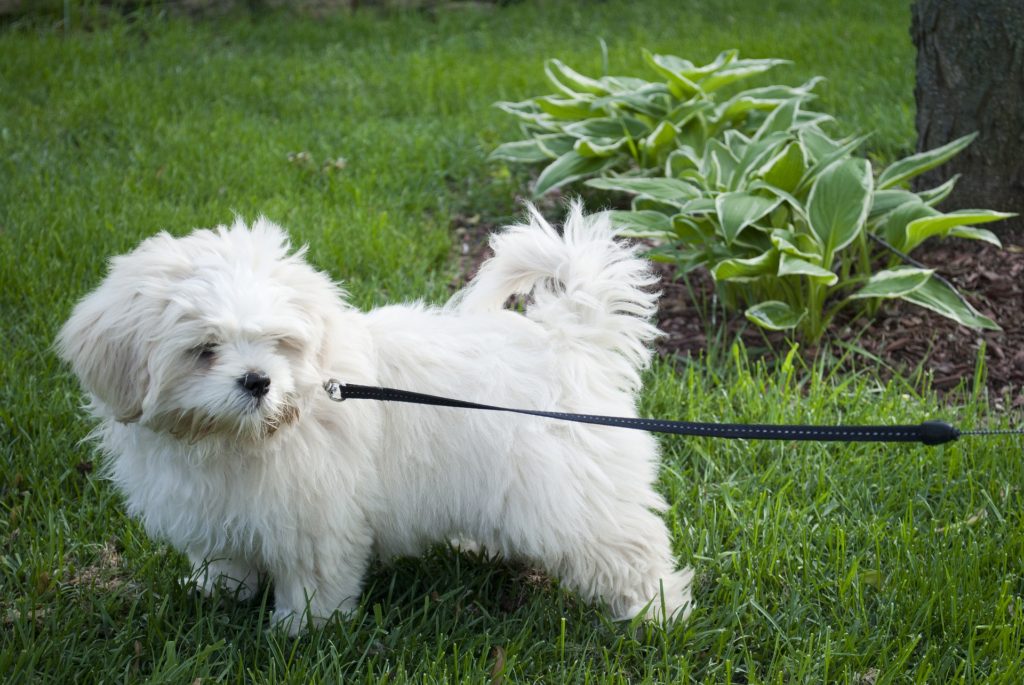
628, 565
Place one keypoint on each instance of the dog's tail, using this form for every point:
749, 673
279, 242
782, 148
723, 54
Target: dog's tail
592, 293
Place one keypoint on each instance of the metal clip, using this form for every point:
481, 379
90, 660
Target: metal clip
334, 389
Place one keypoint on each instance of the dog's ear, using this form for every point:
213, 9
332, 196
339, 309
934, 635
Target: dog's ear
103, 345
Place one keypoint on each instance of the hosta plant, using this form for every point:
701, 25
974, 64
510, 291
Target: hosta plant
794, 227
623, 124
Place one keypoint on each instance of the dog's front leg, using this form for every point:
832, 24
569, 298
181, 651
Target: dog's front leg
326, 581
224, 573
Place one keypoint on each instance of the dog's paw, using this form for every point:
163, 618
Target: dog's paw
287, 622
218, 578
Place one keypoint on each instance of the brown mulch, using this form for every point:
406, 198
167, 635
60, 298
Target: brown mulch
902, 339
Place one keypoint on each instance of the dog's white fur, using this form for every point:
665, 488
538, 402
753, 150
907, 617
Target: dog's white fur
305, 490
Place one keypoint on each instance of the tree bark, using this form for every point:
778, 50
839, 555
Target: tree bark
970, 77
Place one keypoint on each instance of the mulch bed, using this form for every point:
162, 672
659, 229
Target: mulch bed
901, 340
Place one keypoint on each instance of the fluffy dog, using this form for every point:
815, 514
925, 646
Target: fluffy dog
204, 358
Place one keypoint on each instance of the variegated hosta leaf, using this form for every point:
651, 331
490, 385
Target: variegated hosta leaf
673, 69
738, 210
521, 151
566, 108
897, 282
893, 226
884, 201
742, 270
598, 147
839, 203
568, 168
646, 224
794, 266
571, 82
683, 158
937, 194
659, 139
940, 298
670, 190
908, 167
786, 168
824, 157
609, 127
796, 244
919, 230
774, 315
738, 70
976, 234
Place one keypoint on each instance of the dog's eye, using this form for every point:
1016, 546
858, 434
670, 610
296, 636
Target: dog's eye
205, 352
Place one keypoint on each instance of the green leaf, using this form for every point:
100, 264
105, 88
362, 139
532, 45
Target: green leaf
743, 270
839, 203
646, 224
565, 108
660, 138
526, 110
794, 266
520, 151
737, 107
571, 82
642, 203
897, 282
684, 112
976, 234
911, 166
785, 169
788, 241
555, 144
824, 157
816, 144
673, 68
537, 149
754, 154
893, 228
681, 159
738, 210
699, 205
652, 99
884, 201
569, 167
609, 127
719, 164
780, 120
774, 315
942, 299
937, 194
626, 84
693, 231
919, 230
737, 70
598, 147
670, 190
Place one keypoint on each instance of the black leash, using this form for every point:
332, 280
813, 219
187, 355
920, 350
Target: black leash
928, 433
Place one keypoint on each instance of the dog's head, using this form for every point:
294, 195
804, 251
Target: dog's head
220, 331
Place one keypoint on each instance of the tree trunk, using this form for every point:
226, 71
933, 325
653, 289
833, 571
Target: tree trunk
970, 77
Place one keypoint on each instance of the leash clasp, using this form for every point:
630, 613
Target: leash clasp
335, 389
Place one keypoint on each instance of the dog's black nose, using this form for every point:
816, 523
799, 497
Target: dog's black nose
256, 383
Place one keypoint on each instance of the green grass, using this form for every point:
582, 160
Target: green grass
815, 563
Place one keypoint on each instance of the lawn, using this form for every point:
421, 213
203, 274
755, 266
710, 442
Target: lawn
365, 134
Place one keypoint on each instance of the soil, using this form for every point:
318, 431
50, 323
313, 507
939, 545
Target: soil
903, 339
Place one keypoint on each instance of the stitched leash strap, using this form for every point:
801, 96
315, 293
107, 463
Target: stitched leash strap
928, 433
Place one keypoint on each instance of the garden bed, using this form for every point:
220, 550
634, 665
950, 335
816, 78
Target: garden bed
901, 340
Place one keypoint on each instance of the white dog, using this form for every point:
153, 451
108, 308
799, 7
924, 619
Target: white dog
205, 357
